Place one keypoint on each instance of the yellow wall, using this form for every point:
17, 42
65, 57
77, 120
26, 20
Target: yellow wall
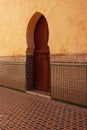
67, 21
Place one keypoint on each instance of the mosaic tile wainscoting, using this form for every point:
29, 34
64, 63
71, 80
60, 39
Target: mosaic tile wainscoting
12, 74
29, 72
69, 82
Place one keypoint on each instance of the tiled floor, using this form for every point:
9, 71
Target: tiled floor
24, 111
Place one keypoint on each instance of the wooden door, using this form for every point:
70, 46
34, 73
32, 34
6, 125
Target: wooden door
41, 56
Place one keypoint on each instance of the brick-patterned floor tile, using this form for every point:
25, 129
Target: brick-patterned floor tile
23, 111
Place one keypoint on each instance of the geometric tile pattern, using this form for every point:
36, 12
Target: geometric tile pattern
22, 111
12, 74
29, 72
69, 82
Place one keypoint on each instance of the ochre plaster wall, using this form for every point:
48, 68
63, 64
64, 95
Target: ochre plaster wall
67, 21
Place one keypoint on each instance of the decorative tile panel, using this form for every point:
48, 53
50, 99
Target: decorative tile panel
69, 82
29, 72
12, 74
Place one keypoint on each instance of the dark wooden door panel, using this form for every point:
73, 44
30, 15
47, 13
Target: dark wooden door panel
41, 56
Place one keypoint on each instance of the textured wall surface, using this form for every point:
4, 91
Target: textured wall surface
69, 82
67, 21
12, 74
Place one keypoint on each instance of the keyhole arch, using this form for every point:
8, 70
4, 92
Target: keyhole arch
31, 47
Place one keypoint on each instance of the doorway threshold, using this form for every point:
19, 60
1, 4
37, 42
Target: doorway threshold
39, 93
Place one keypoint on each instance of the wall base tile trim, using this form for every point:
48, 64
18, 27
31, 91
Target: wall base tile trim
13, 59
17, 72
80, 58
12, 75
69, 83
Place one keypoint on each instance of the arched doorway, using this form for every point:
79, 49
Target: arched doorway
41, 56
38, 54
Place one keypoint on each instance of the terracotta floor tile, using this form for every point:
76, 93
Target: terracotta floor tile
24, 111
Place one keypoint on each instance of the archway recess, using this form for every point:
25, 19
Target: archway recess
37, 54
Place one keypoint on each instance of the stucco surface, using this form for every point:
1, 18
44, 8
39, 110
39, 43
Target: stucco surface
67, 21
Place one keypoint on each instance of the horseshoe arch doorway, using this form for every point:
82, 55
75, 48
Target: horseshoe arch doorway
38, 54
